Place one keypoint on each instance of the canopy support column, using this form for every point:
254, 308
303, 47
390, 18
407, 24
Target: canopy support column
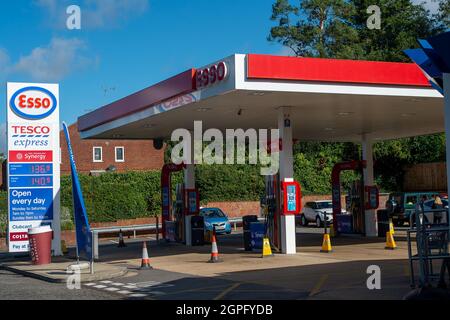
447, 125
288, 230
189, 183
367, 155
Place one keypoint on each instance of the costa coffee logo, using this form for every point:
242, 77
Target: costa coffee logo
33, 103
211, 75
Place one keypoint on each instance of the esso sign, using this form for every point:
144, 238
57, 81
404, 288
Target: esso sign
33, 103
31, 129
211, 75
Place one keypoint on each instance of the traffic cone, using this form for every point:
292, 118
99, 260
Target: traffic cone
214, 250
390, 242
121, 241
267, 250
326, 246
145, 263
391, 227
64, 247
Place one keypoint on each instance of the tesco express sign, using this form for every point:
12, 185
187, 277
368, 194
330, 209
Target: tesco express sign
33, 103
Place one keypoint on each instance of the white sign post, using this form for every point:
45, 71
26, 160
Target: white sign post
33, 163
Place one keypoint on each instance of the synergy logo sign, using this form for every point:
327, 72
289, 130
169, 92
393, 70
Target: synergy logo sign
33, 103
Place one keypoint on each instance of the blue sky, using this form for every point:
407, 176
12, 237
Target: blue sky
123, 46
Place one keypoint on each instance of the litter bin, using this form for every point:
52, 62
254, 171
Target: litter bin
198, 230
383, 223
246, 221
40, 245
257, 231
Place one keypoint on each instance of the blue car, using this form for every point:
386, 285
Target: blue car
214, 217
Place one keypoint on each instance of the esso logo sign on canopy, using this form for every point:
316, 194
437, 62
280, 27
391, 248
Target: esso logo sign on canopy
211, 75
33, 103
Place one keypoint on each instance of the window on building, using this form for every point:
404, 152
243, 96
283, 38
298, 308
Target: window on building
97, 154
120, 154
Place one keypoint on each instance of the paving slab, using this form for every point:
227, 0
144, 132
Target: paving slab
57, 271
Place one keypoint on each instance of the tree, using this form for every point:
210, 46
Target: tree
338, 28
443, 16
402, 23
316, 28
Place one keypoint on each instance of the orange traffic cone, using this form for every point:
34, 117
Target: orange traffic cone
214, 250
390, 241
145, 264
121, 241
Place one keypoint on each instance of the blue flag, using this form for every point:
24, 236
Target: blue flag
83, 230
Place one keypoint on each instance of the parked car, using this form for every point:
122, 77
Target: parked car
430, 212
317, 212
401, 205
214, 217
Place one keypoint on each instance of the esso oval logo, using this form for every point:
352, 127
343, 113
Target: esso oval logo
33, 103
211, 75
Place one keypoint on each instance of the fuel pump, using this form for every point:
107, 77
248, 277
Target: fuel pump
179, 213
271, 210
281, 198
358, 199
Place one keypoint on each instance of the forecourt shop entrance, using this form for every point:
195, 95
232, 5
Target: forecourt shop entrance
307, 99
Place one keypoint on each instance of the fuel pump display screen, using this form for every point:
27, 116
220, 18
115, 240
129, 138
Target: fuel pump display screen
193, 201
165, 201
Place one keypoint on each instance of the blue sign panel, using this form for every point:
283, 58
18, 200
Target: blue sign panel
30, 181
31, 204
30, 169
292, 198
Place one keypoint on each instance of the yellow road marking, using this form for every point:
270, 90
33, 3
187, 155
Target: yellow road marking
226, 291
319, 285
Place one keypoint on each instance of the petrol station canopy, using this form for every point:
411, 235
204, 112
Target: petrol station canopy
330, 100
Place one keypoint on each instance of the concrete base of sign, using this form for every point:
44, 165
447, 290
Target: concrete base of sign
57, 271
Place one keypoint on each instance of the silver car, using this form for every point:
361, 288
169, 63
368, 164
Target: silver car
317, 212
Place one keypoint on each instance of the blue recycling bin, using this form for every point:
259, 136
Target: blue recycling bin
344, 223
257, 231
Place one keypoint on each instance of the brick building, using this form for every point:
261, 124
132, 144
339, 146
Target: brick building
95, 156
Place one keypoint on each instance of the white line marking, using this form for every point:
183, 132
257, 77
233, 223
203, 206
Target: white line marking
90, 284
100, 287
112, 289
130, 287
118, 284
106, 281
138, 295
124, 292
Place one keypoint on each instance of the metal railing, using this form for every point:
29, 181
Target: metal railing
135, 228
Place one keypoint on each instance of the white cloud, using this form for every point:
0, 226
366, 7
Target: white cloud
95, 14
432, 5
49, 63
